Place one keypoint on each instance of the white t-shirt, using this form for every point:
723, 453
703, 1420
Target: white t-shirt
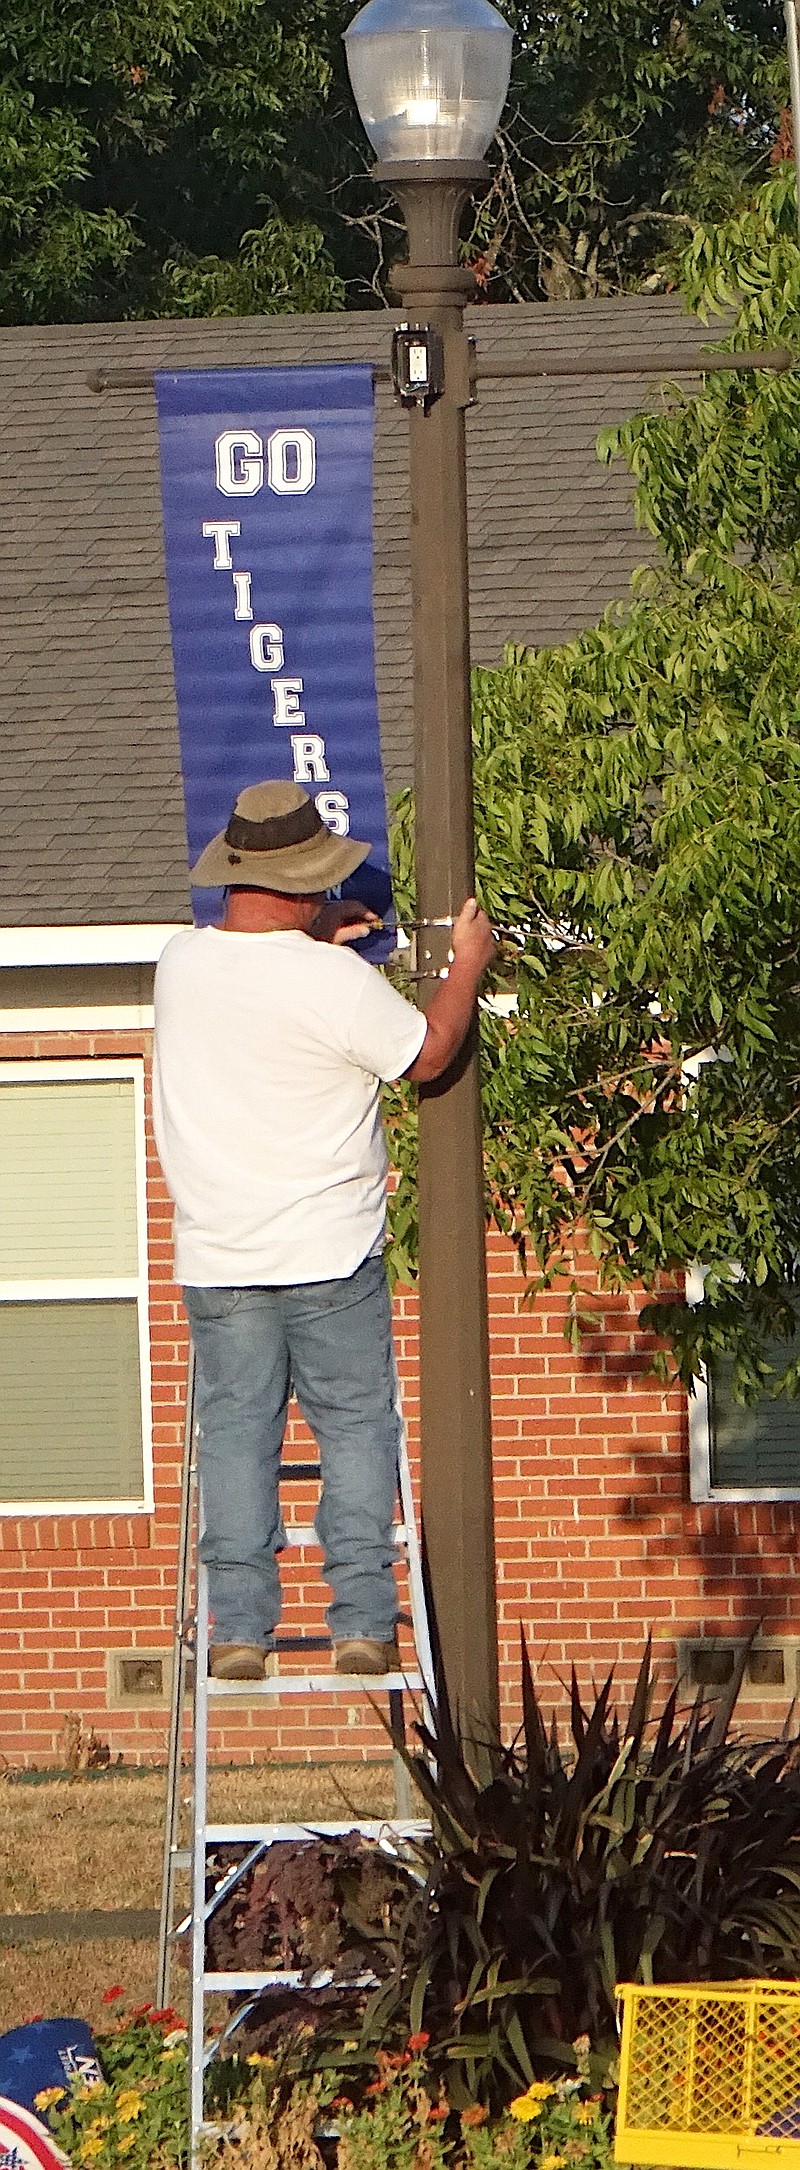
269, 1049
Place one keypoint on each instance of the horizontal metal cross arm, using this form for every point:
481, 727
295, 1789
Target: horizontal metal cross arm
689, 362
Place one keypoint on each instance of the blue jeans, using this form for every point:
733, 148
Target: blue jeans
331, 1341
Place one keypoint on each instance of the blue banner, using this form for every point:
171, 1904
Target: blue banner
267, 493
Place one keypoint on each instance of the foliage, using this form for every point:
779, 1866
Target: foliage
626, 123
327, 1906
407, 2123
666, 1851
638, 1850
400, 2116
138, 2115
638, 796
179, 158
398, 2119
572, 2123
267, 2128
160, 159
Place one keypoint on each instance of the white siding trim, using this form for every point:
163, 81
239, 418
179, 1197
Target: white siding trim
99, 1017
24, 1511
86, 945
53, 1292
78, 1066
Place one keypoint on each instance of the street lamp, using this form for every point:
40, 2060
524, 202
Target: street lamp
430, 78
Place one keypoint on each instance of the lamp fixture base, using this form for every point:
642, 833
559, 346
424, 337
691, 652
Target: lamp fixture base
468, 171
432, 194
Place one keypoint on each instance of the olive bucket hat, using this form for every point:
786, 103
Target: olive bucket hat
276, 839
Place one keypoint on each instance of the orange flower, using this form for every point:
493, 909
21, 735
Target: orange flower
418, 2041
475, 2115
110, 1995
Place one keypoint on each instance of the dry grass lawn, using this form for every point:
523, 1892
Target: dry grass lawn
79, 1842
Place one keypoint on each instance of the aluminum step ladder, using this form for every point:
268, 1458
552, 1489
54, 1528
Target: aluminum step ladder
209, 1696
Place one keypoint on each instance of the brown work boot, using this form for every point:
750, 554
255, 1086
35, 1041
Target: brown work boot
361, 1655
241, 1661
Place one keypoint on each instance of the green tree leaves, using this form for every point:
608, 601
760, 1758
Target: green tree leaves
625, 124
161, 159
639, 829
176, 155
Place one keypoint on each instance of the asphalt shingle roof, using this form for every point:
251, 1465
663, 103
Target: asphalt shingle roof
90, 796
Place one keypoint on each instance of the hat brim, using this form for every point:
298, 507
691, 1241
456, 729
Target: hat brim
298, 870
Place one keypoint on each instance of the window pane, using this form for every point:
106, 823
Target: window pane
70, 1411
67, 1179
757, 1445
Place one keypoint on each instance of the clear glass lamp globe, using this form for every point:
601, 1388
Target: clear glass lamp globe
429, 77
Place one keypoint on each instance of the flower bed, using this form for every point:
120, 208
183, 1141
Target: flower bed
392, 2115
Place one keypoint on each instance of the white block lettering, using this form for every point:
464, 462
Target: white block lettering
291, 462
239, 458
286, 698
310, 766
241, 587
221, 531
266, 650
334, 808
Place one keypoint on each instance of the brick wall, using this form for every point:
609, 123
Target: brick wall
596, 1536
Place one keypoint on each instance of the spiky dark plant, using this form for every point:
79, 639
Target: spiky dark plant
647, 1850
642, 1849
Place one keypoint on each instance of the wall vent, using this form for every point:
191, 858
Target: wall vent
139, 1677
772, 1668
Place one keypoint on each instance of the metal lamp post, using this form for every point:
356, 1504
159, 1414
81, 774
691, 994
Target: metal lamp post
430, 79
793, 56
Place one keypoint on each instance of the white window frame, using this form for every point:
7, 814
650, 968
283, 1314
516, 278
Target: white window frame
138, 1285
700, 1430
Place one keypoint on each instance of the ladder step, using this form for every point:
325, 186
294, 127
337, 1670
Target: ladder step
269, 1834
299, 1534
316, 1684
283, 1979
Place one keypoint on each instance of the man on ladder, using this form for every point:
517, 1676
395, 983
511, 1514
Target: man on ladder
272, 1039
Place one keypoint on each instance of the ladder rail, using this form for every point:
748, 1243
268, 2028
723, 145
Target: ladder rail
199, 1820
419, 1610
177, 1697
419, 1616
389, 1832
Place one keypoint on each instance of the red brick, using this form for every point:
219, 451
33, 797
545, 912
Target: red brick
584, 1448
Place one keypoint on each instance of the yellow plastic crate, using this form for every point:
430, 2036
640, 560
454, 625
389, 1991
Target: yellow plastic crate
710, 2075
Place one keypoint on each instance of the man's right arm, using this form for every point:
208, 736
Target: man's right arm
451, 1007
